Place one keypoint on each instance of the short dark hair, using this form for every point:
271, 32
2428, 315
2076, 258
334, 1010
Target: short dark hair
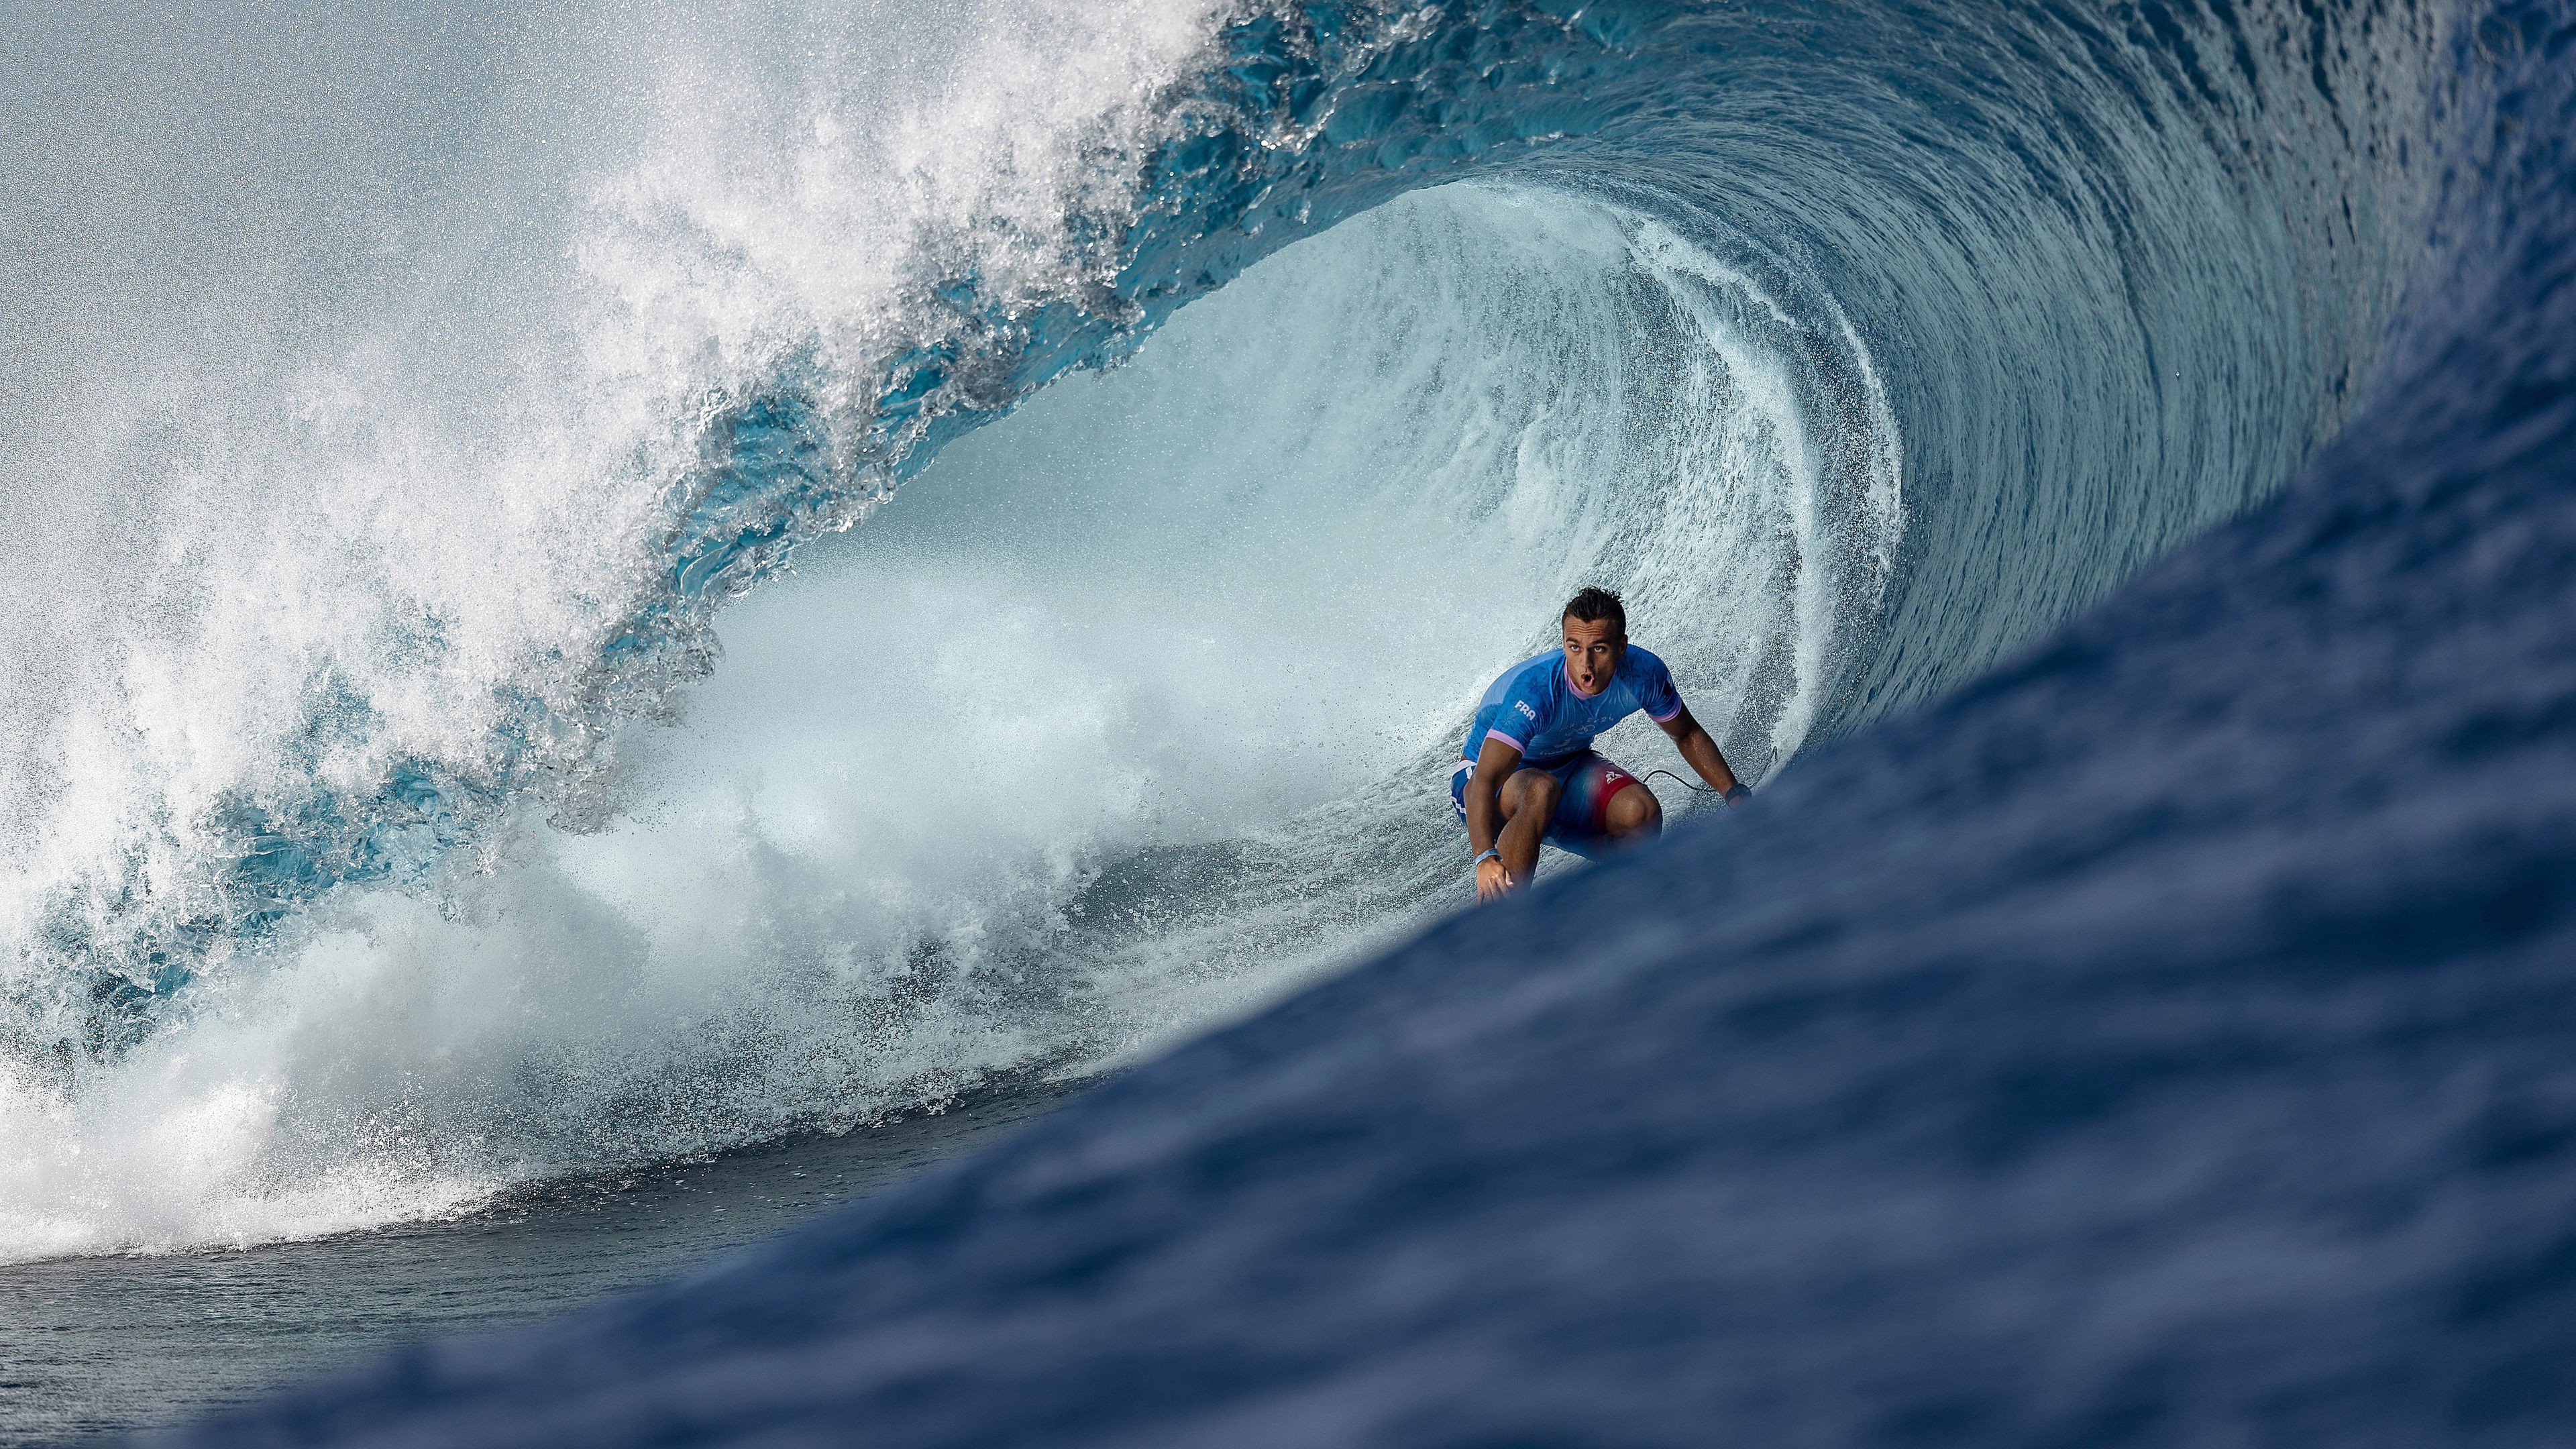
1594, 605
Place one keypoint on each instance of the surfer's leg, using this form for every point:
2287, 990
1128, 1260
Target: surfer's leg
1633, 816
1528, 798
1602, 808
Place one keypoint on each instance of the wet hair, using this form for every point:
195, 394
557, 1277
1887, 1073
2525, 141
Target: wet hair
1594, 605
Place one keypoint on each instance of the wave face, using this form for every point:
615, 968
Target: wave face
383, 830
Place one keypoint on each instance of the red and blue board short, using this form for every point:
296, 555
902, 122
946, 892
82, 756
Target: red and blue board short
1581, 824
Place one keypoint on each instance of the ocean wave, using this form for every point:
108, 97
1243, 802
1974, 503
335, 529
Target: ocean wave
354, 848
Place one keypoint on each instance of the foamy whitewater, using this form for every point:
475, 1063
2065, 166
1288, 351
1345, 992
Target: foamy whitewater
564, 616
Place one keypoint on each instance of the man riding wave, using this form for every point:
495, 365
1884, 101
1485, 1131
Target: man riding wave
1528, 773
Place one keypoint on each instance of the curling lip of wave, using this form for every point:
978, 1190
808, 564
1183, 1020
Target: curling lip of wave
1288, 132
1258, 154
1305, 114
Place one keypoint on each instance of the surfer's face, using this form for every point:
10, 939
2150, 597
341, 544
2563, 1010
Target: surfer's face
1592, 653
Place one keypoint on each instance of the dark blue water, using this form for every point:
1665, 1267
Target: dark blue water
2161, 1038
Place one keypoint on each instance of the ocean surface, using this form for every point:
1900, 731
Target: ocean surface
93, 1348
603, 588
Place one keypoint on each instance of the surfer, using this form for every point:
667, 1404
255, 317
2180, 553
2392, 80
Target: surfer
1528, 773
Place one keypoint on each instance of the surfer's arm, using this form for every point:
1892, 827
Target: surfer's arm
1494, 764
1698, 749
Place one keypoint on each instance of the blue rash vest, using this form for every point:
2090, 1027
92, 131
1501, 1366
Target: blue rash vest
1534, 708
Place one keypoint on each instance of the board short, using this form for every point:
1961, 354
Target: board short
1581, 824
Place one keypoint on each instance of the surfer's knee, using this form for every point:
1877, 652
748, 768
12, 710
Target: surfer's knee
1634, 813
1531, 790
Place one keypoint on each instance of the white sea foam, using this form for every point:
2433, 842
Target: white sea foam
384, 481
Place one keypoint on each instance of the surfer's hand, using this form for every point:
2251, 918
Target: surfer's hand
1492, 881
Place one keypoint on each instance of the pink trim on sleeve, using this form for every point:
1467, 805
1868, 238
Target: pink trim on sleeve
1492, 734
1665, 718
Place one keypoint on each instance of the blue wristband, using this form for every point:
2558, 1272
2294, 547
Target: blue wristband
1480, 860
